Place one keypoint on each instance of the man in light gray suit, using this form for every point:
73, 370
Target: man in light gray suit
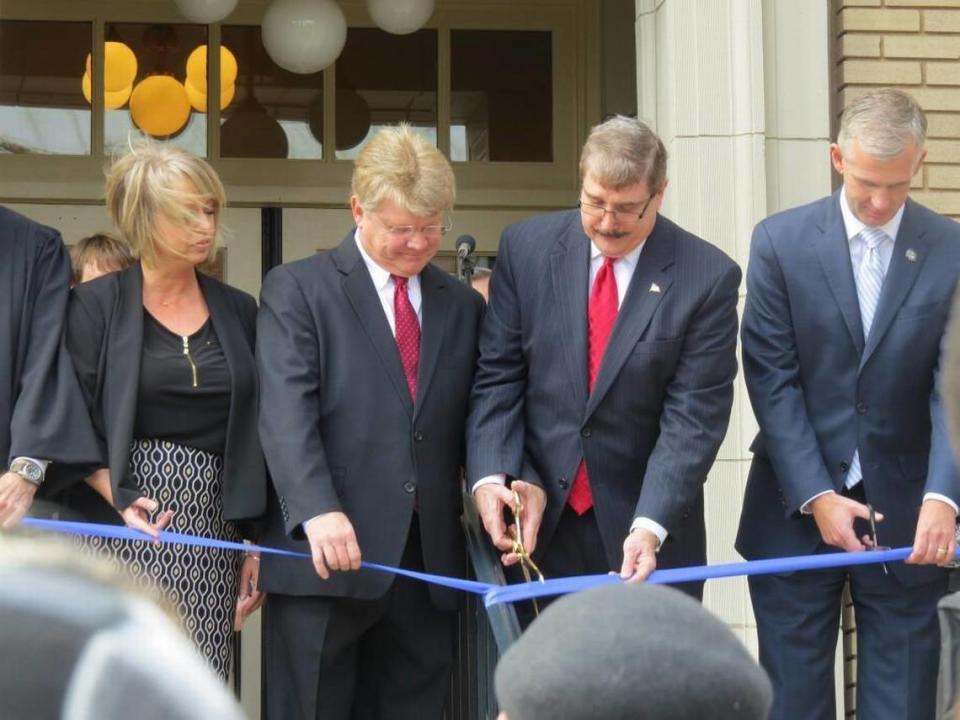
847, 299
604, 385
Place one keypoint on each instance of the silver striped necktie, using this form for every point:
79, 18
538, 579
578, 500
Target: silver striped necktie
870, 275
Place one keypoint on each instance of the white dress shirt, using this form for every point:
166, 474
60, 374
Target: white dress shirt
623, 270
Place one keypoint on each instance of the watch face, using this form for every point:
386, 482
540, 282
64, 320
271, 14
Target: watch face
28, 471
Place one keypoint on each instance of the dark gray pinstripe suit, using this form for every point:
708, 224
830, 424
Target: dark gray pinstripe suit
659, 410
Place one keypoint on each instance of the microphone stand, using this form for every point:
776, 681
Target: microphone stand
465, 266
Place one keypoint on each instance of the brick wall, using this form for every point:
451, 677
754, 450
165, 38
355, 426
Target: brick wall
913, 45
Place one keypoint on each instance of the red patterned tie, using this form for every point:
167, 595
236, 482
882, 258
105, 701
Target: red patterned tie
601, 317
408, 333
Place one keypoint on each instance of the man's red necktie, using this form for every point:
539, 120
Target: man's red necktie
601, 317
407, 333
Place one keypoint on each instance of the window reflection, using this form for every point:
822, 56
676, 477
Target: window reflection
501, 96
42, 108
383, 80
276, 113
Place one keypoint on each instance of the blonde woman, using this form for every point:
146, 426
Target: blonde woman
165, 360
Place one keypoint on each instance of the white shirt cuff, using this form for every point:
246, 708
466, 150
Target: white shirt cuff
496, 478
941, 498
653, 526
805, 508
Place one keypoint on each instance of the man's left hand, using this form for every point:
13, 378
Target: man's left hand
935, 541
16, 495
639, 555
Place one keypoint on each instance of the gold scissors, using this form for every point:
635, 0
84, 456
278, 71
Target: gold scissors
527, 565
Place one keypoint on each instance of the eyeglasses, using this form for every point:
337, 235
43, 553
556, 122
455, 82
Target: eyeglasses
406, 232
622, 217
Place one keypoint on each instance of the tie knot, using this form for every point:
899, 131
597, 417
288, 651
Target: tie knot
401, 282
609, 261
872, 236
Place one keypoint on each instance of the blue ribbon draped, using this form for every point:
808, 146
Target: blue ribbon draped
496, 594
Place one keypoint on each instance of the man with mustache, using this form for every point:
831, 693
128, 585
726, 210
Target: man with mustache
604, 385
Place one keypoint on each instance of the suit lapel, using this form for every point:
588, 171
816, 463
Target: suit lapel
122, 376
901, 275
636, 311
570, 268
226, 325
833, 251
434, 312
362, 295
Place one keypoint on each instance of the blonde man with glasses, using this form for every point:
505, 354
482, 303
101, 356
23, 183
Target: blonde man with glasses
366, 355
606, 373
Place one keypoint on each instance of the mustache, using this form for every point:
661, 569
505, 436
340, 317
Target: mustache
612, 235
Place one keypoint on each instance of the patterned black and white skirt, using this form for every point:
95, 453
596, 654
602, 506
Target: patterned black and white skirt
201, 582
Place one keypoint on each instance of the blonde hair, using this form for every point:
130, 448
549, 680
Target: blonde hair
400, 165
154, 180
624, 151
103, 250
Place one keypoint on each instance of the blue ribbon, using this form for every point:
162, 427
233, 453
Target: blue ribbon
496, 594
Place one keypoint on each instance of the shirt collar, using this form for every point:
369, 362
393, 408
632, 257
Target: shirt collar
630, 258
853, 225
381, 278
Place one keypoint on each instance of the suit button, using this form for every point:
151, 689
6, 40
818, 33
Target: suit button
409, 486
844, 466
562, 482
586, 432
861, 408
418, 436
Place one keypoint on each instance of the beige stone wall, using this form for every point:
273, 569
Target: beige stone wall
913, 45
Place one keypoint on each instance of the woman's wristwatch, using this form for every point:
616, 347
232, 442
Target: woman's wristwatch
28, 469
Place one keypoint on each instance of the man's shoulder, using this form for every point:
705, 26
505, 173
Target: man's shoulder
816, 212
21, 229
540, 232
693, 248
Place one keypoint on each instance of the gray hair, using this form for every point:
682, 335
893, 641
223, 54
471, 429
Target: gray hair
884, 121
624, 151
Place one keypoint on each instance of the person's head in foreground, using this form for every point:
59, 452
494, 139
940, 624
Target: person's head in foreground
630, 651
75, 644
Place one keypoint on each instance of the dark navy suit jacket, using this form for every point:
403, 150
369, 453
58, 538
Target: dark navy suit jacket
819, 391
659, 409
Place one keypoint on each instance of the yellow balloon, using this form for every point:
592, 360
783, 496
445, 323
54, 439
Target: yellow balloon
111, 100
120, 66
198, 99
159, 105
197, 68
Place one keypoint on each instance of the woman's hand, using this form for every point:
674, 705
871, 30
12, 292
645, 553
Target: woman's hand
249, 598
137, 516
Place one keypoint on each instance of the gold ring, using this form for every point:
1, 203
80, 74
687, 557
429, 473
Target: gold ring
941, 550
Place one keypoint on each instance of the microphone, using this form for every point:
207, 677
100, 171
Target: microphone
465, 246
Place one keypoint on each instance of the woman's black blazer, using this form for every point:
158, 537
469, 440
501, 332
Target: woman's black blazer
104, 334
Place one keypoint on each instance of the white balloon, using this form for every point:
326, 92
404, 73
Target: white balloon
205, 11
400, 17
303, 36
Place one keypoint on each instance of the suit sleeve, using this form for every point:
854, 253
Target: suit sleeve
288, 362
49, 419
495, 436
942, 475
696, 408
771, 369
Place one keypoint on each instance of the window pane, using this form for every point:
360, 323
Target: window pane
42, 108
158, 105
502, 95
276, 113
382, 80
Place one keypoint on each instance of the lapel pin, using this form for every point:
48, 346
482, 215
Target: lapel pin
911, 255
654, 288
